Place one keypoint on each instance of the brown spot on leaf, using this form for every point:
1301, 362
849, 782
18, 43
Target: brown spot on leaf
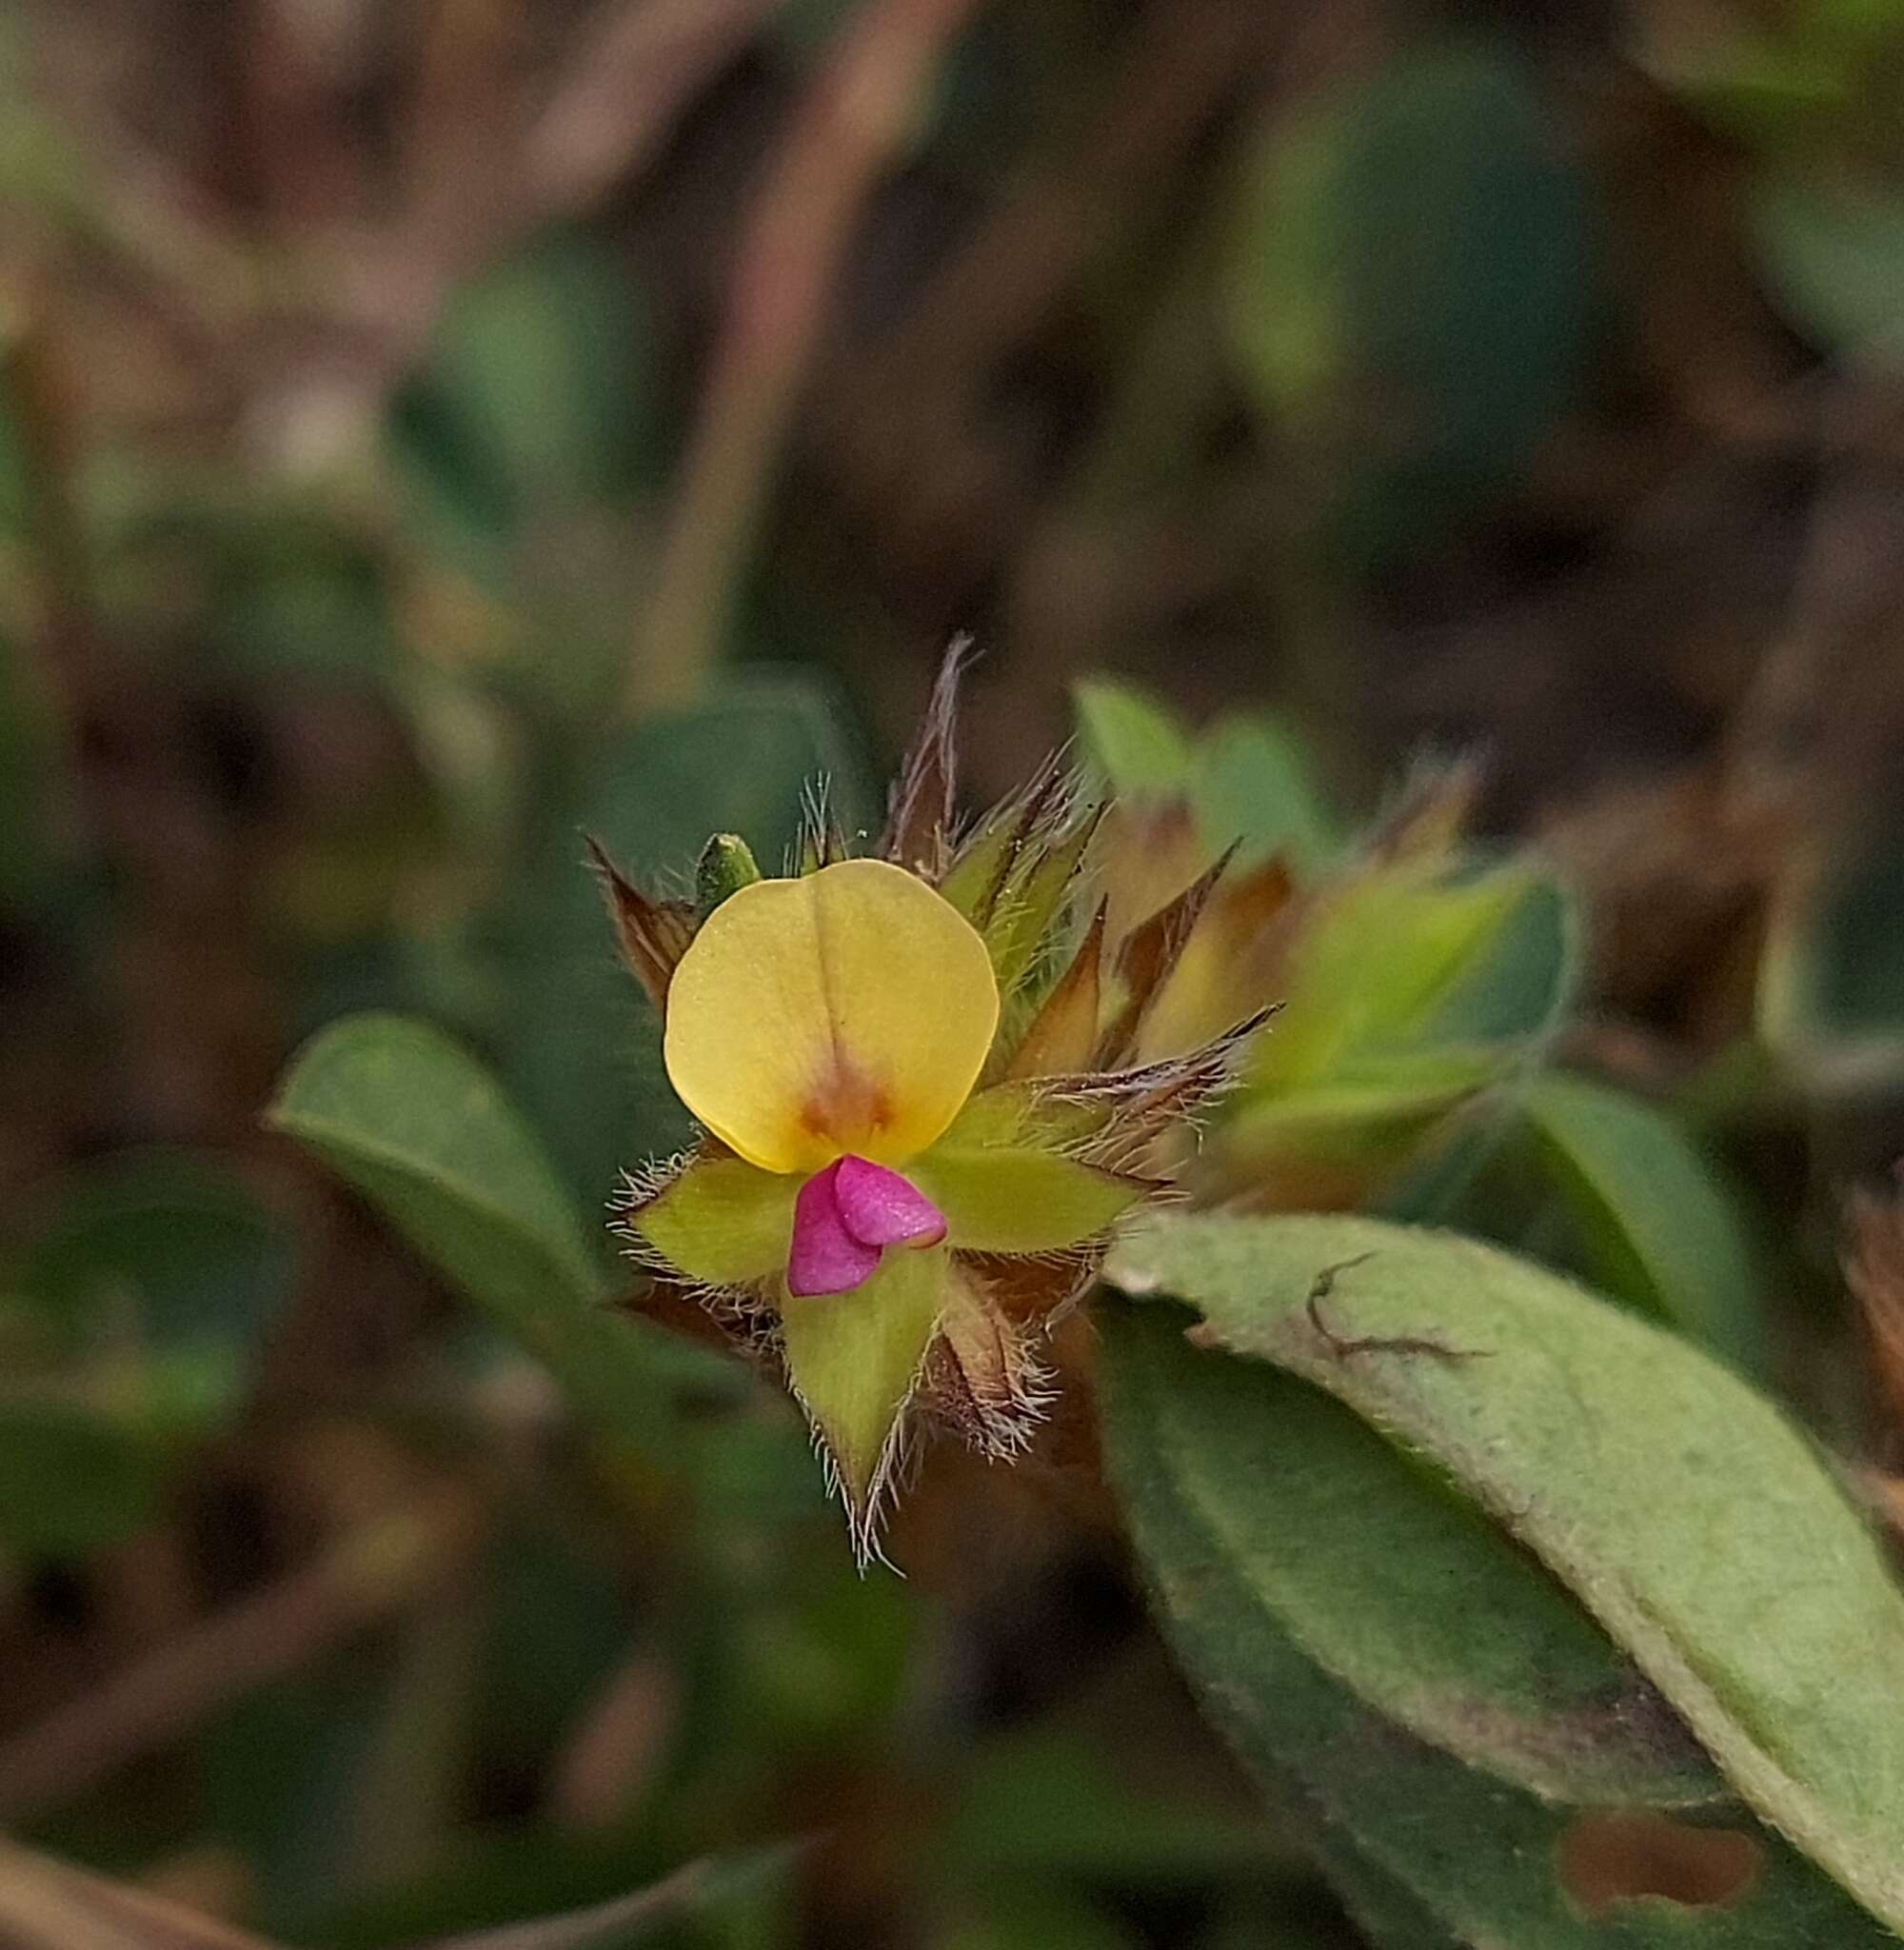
1623, 1853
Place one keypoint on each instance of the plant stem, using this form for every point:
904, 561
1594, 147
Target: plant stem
854, 118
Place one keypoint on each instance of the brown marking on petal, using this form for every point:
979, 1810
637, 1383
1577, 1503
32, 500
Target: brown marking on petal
847, 1107
652, 934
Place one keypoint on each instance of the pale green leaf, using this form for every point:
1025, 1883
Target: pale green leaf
171, 1244
1831, 986
74, 1477
1360, 1114
1412, 284
1834, 252
539, 386
1340, 1536
1252, 786
1384, 954
1429, 1852
1685, 1514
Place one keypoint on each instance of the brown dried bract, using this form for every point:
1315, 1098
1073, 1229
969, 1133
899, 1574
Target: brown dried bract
1147, 958
652, 934
919, 817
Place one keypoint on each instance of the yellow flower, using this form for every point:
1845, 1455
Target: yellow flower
848, 1011
917, 1076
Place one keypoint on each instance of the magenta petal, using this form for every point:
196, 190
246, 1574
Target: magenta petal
882, 1208
824, 1256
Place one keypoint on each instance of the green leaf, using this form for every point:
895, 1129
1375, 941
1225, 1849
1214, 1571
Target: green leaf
1834, 255
1430, 1853
295, 598
275, 1772
1046, 1805
825, 1660
853, 1358
424, 1131
1753, 91
528, 1872
1385, 960
539, 388
556, 1625
1520, 984
1405, 233
1360, 1113
1660, 1227
706, 1888
1339, 1536
1684, 1514
1025, 1918
174, 1244
582, 1047
1252, 786
1142, 749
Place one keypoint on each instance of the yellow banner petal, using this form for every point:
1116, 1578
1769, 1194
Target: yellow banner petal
847, 1011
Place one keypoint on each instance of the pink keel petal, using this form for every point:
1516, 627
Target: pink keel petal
823, 1256
881, 1207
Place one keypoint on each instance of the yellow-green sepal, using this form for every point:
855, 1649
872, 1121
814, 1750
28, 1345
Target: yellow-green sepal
1025, 1202
1025, 1112
1008, 1180
854, 1361
1013, 875
720, 1221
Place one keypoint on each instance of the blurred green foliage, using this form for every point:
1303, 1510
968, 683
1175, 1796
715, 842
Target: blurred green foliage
1412, 292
